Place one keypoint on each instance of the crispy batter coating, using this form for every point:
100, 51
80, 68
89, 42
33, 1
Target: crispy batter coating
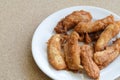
88, 27
87, 48
95, 35
90, 37
71, 20
90, 67
111, 31
72, 52
87, 38
55, 55
81, 37
104, 58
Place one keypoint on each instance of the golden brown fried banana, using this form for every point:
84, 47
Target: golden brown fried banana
88, 27
90, 67
72, 52
104, 58
55, 53
111, 31
87, 48
71, 20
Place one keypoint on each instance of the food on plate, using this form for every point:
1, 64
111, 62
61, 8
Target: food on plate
95, 35
110, 31
88, 27
105, 57
81, 37
55, 54
72, 52
72, 20
87, 38
65, 51
88, 48
88, 64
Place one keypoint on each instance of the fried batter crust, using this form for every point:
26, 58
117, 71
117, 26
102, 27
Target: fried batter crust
54, 52
111, 31
87, 38
90, 37
90, 67
72, 52
104, 58
71, 20
88, 27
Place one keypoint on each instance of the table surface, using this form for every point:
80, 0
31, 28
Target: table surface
18, 21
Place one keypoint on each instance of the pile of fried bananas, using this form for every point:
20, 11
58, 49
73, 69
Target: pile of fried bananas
66, 53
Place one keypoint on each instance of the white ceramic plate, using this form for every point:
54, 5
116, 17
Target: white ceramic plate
45, 31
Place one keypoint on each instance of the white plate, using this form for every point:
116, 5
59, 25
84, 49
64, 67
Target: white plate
45, 31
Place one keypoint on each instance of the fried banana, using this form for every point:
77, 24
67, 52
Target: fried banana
88, 64
104, 58
111, 31
55, 54
88, 27
72, 52
72, 20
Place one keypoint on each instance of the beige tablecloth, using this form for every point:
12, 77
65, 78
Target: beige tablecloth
18, 21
